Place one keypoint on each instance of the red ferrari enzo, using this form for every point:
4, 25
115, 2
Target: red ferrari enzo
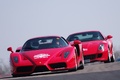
48, 53
96, 47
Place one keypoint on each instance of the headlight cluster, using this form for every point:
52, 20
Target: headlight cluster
66, 54
15, 58
101, 47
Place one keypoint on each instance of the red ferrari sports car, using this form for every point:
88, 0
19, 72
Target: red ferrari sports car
47, 53
96, 47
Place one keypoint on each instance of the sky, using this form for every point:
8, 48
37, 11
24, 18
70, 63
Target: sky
21, 20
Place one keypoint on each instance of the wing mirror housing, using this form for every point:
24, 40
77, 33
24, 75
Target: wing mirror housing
75, 42
109, 37
10, 49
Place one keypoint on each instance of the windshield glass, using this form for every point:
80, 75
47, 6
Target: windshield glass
44, 43
86, 36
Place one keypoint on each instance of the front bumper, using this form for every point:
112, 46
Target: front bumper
49, 66
96, 57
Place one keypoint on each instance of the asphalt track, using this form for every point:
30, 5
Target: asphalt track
92, 71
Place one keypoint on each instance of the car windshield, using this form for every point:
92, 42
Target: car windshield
86, 36
44, 43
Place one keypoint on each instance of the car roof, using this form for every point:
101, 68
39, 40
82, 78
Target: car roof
45, 36
85, 31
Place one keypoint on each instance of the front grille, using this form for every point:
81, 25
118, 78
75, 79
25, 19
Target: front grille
58, 65
93, 56
41, 69
24, 69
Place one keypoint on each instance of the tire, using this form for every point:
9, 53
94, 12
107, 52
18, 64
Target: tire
113, 58
71, 70
82, 63
81, 66
75, 68
109, 58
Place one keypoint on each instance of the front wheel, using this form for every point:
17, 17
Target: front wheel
76, 66
82, 63
113, 58
109, 58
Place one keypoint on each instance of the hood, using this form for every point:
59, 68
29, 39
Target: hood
43, 55
91, 46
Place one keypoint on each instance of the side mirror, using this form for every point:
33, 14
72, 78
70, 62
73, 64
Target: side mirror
109, 37
76, 42
10, 49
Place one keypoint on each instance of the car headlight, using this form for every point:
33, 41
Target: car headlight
101, 47
15, 59
66, 54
